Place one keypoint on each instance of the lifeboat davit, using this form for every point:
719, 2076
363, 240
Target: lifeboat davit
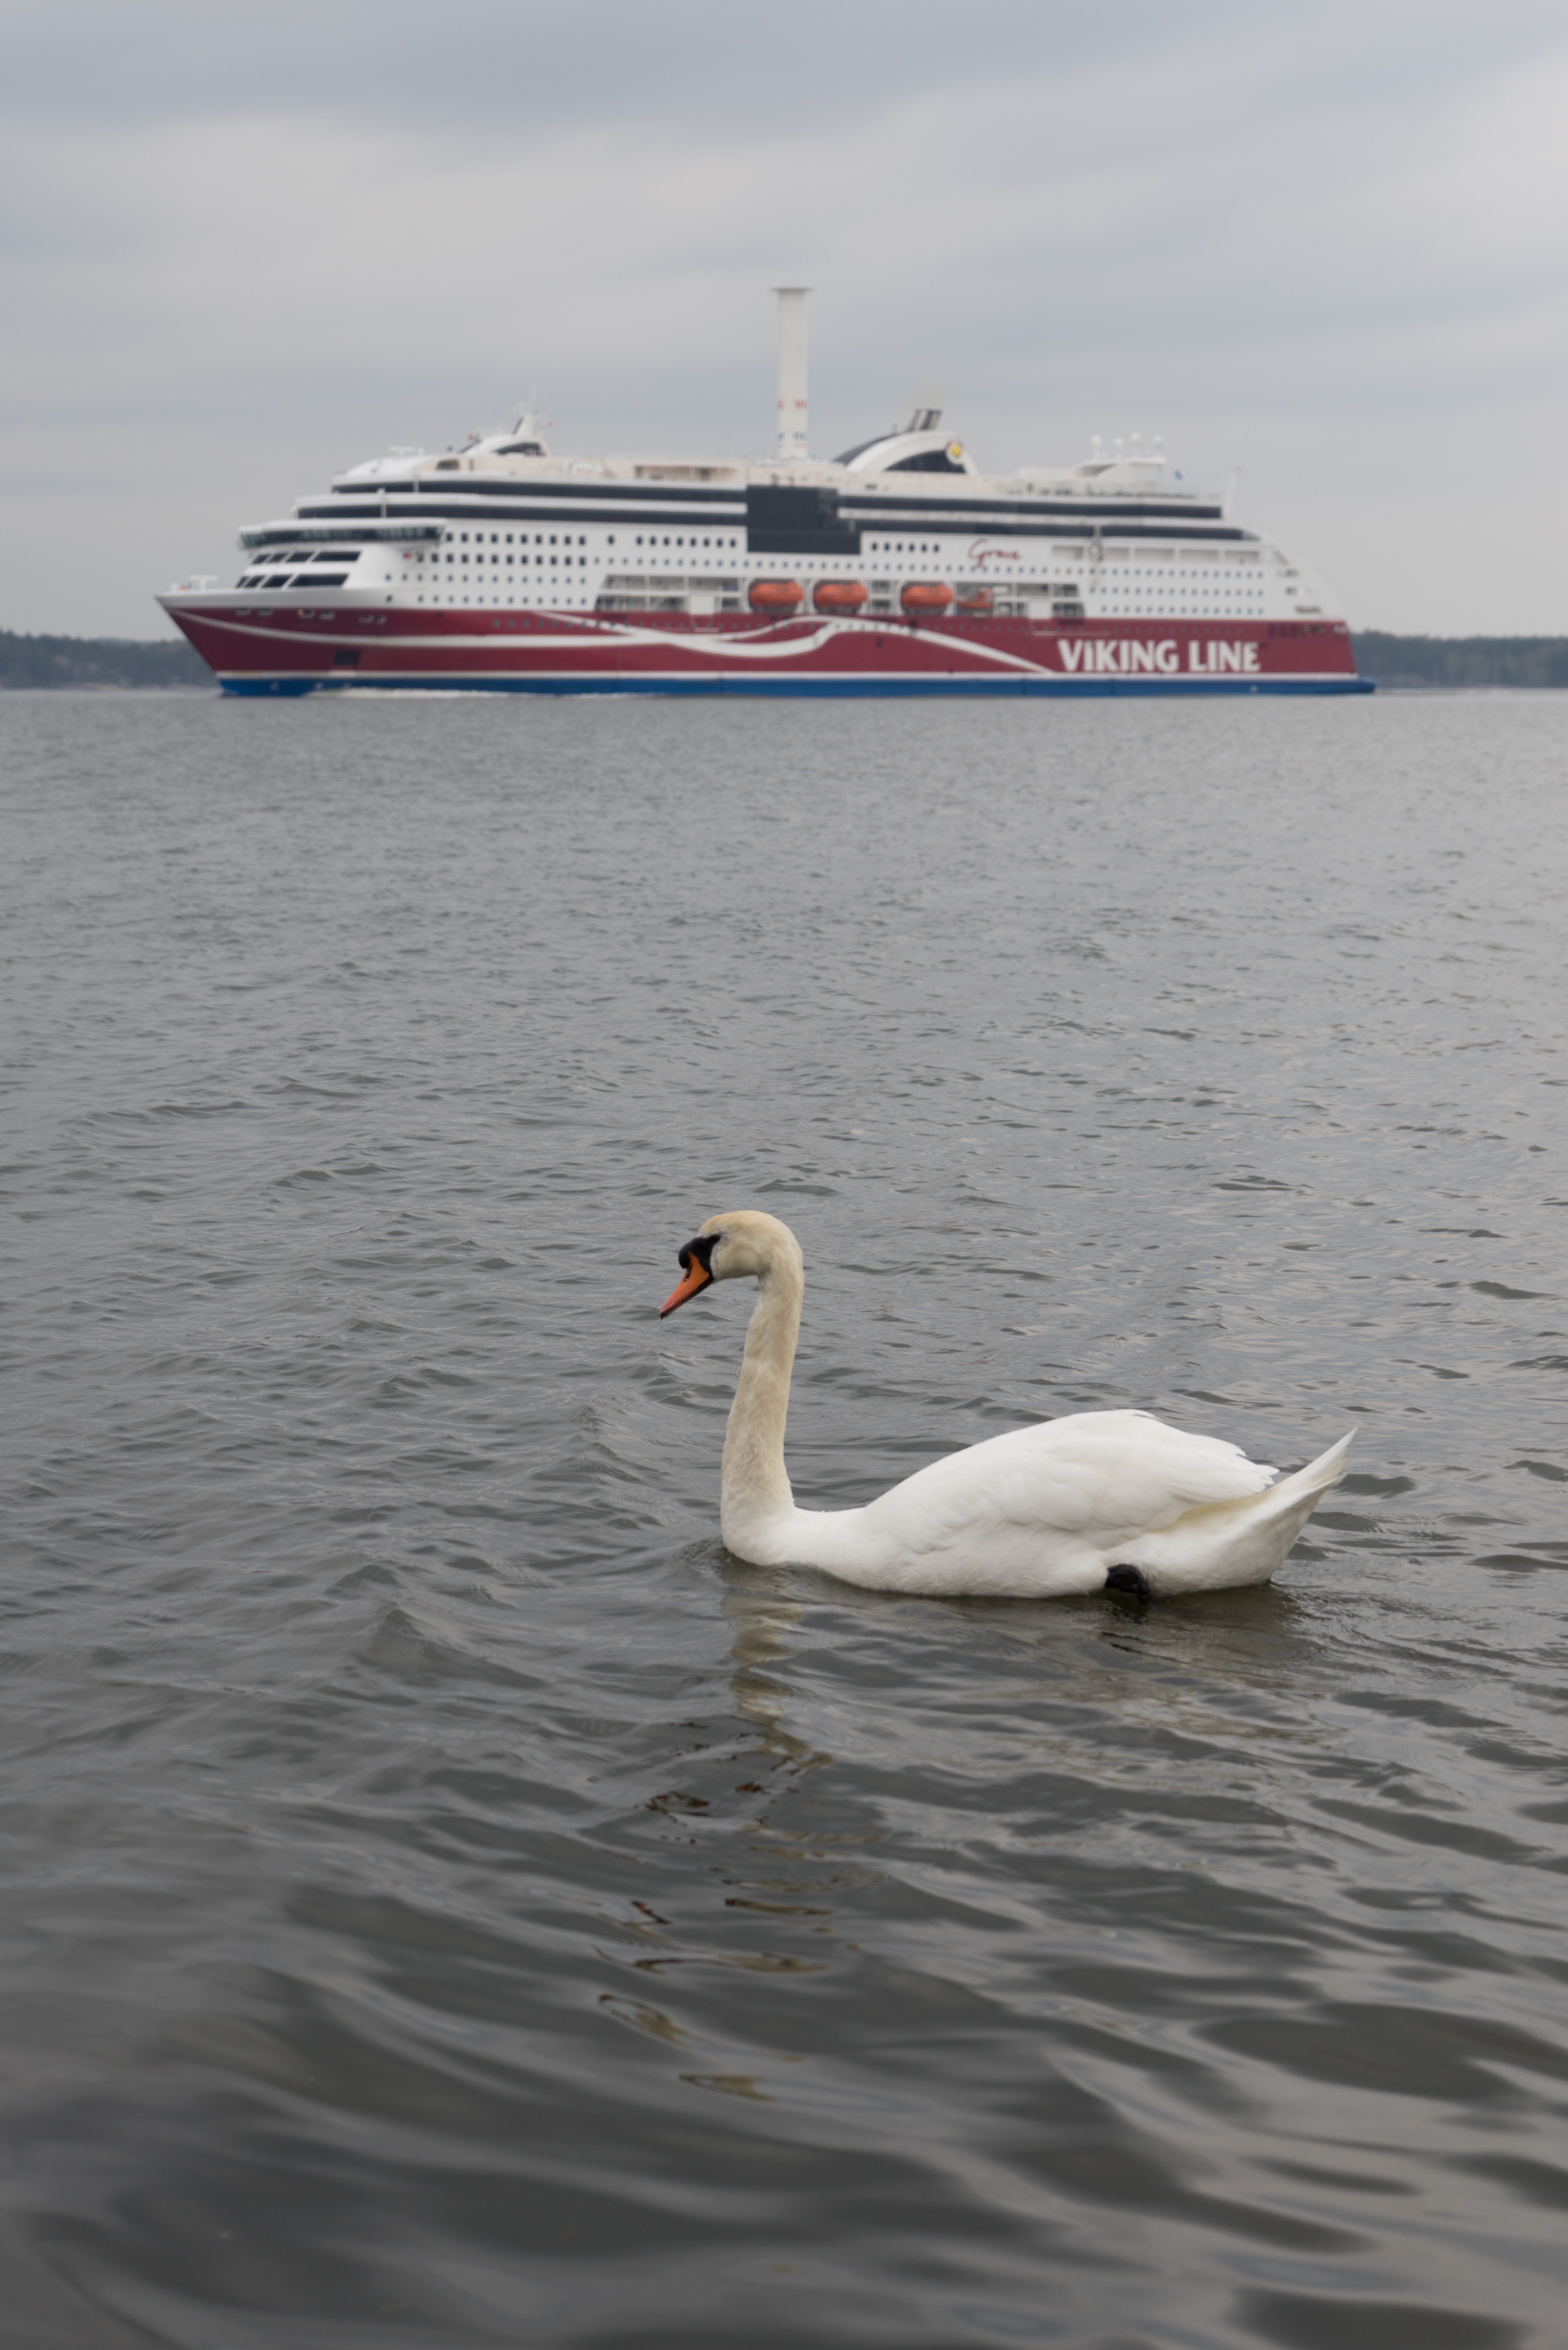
838, 596
926, 596
777, 596
975, 601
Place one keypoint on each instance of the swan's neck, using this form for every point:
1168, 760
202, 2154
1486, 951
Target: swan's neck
754, 1484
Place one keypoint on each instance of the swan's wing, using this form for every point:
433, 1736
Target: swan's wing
1052, 1501
1131, 1469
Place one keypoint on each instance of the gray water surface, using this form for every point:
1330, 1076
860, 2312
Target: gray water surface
450, 1902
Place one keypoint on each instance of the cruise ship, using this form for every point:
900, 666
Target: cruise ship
898, 566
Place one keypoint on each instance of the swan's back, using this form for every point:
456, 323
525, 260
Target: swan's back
1038, 1508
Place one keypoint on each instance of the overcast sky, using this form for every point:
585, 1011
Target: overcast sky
246, 247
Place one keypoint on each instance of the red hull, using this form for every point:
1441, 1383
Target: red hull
258, 650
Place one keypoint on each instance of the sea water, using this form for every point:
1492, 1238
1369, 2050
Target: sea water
451, 1901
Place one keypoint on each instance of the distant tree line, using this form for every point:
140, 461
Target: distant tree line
1460, 660
98, 661
1392, 661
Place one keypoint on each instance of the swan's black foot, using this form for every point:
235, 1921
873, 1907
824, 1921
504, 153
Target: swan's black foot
1130, 1579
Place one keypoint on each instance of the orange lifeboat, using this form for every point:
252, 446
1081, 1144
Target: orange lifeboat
926, 596
976, 601
780, 596
838, 596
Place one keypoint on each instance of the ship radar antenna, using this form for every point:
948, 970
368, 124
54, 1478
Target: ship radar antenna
925, 408
528, 410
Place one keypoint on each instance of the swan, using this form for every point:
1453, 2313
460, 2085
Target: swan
1094, 1501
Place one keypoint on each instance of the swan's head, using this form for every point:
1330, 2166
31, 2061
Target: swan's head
743, 1240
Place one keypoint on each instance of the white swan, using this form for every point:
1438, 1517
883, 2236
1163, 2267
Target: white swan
1075, 1505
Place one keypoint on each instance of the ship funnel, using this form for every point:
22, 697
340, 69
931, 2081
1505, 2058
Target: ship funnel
792, 370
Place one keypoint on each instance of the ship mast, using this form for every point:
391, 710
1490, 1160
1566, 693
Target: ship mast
791, 372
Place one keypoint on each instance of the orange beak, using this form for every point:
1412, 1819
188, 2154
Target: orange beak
697, 1276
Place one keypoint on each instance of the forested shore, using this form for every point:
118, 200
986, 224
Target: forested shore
1460, 660
98, 661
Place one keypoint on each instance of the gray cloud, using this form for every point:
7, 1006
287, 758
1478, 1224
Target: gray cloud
240, 253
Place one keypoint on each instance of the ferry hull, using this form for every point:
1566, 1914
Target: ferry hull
272, 651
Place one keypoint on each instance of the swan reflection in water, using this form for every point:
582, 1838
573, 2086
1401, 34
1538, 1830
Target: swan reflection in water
760, 1625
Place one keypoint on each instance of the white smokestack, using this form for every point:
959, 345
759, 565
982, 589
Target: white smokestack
792, 370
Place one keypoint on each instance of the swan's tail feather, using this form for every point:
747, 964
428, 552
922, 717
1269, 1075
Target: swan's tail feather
1224, 1544
1325, 1471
